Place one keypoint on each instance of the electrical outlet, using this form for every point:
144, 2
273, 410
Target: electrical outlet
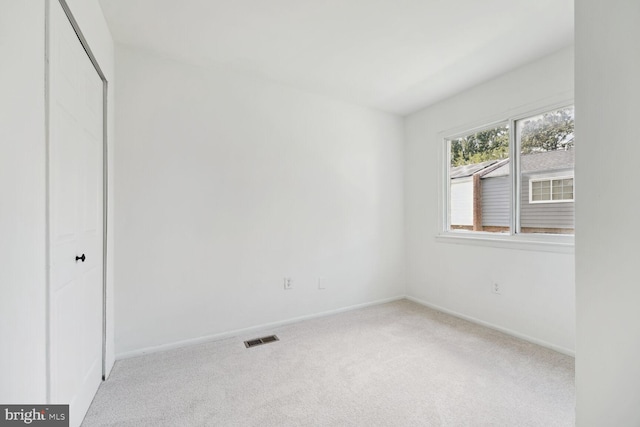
496, 288
288, 284
322, 283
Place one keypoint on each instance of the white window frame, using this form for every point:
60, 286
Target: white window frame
447, 143
562, 243
550, 179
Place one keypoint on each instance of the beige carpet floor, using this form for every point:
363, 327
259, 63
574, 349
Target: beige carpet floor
396, 364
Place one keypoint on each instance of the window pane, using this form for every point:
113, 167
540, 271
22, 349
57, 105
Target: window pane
479, 182
547, 154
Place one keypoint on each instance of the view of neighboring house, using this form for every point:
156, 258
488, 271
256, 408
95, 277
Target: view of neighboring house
463, 180
480, 194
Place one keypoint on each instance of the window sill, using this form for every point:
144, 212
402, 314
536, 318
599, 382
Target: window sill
543, 243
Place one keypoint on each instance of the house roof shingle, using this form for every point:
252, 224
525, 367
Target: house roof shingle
468, 170
546, 161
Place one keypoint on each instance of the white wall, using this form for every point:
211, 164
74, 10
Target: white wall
538, 298
23, 311
226, 184
22, 206
607, 233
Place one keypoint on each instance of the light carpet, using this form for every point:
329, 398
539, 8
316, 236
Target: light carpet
396, 364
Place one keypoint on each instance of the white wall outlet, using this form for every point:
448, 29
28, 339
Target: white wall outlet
288, 284
496, 288
322, 283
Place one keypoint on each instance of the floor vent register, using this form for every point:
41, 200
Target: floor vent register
259, 341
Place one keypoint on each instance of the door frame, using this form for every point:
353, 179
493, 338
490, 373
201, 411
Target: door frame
105, 184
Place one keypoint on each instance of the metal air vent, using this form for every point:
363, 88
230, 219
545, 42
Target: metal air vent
259, 341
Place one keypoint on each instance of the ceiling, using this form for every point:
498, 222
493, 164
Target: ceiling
393, 55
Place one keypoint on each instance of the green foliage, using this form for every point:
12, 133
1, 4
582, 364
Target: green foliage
490, 144
549, 132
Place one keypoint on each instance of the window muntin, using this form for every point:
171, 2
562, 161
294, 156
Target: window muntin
483, 195
559, 190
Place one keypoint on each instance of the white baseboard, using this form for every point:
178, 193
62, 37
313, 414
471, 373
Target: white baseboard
236, 332
507, 331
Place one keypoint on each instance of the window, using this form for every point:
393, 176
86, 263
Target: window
472, 157
551, 190
516, 177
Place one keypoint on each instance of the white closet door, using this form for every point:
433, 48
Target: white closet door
76, 219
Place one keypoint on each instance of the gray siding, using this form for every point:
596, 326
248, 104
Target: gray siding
495, 207
495, 201
544, 215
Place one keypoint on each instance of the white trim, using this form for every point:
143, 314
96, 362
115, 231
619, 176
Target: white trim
477, 129
462, 180
446, 225
105, 165
516, 189
551, 179
105, 174
236, 332
444, 202
559, 243
47, 169
507, 331
513, 239
562, 100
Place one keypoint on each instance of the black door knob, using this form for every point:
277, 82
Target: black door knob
82, 258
